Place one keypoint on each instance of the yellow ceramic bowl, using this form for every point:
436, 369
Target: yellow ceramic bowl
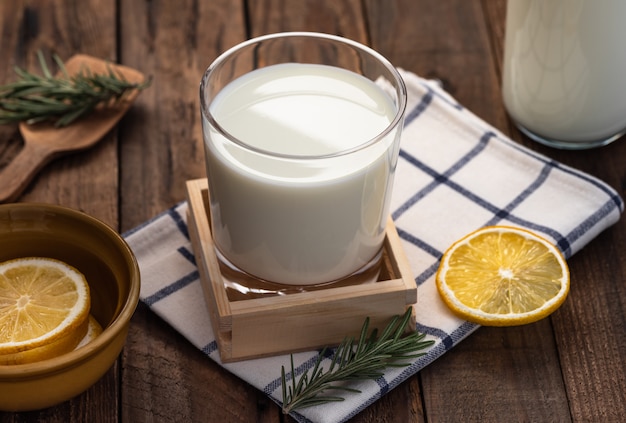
111, 270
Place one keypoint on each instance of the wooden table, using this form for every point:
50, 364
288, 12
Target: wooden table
569, 367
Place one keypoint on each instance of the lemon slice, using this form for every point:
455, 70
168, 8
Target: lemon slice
503, 276
44, 308
54, 348
93, 330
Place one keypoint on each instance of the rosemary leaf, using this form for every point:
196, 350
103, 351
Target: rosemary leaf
44, 66
34, 98
365, 359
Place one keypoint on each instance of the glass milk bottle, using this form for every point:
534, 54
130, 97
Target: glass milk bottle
564, 77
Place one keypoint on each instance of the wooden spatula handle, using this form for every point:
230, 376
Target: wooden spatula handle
15, 176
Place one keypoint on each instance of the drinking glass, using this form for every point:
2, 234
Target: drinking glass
301, 134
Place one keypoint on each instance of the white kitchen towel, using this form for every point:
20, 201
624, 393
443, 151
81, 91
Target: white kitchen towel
455, 174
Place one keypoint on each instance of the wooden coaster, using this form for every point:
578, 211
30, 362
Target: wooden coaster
248, 328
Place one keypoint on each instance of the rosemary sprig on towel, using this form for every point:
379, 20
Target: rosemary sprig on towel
364, 360
34, 98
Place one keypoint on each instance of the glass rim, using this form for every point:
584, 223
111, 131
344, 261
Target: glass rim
400, 89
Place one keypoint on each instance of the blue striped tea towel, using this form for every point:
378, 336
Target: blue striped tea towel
455, 174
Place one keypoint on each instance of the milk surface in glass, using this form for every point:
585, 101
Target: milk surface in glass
301, 214
564, 76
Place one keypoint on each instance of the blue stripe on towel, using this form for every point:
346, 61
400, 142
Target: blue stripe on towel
429, 103
419, 109
439, 178
171, 288
383, 386
498, 213
420, 243
209, 348
188, 254
506, 211
179, 221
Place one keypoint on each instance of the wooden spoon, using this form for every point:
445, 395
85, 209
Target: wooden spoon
44, 142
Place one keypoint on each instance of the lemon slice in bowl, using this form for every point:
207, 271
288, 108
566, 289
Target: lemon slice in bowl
503, 276
54, 348
94, 329
44, 309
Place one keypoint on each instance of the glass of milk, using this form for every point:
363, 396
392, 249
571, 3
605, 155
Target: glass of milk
302, 134
564, 77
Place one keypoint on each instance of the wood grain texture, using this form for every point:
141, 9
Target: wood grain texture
344, 18
443, 40
65, 28
44, 141
569, 367
173, 42
449, 41
588, 328
164, 377
86, 181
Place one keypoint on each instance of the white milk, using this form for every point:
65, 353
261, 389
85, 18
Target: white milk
297, 220
565, 68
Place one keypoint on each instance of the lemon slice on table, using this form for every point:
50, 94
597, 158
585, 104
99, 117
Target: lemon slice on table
503, 276
44, 309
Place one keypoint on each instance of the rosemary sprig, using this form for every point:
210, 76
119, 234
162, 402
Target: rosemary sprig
34, 98
365, 360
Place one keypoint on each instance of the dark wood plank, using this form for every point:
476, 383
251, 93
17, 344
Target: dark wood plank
589, 327
343, 18
569, 367
87, 180
511, 370
173, 43
165, 378
443, 40
66, 28
401, 405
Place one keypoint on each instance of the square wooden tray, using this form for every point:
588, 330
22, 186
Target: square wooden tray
257, 327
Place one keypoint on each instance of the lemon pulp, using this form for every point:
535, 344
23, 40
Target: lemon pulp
502, 276
44, 309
